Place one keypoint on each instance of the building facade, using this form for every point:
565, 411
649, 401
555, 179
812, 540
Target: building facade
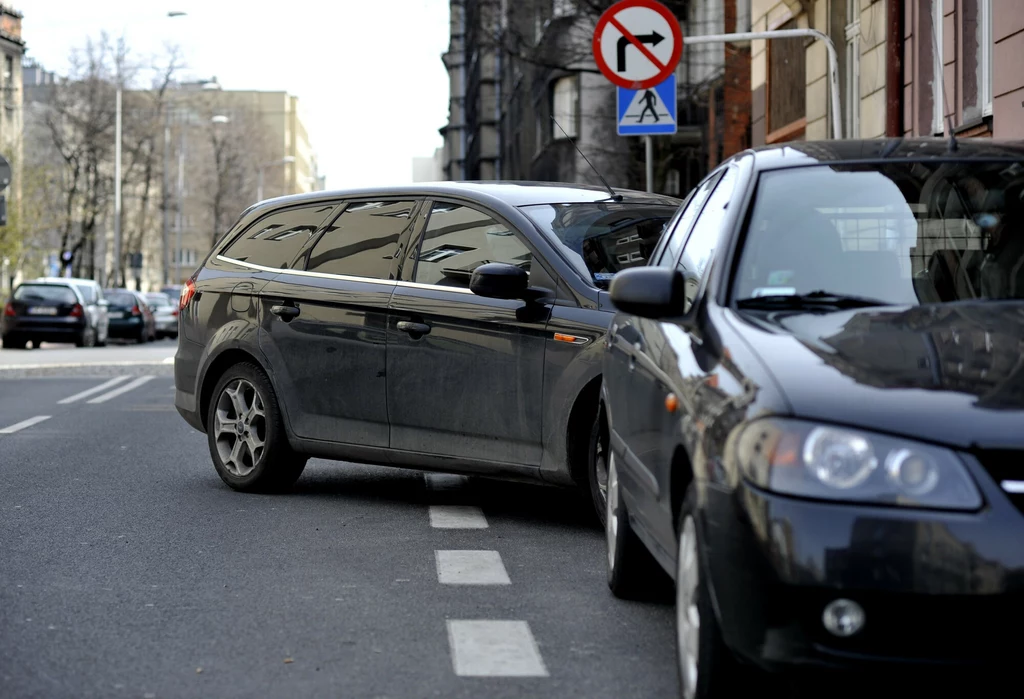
906, 68
12, 49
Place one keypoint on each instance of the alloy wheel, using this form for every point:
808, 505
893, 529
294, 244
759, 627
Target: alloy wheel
240, 427
687, 613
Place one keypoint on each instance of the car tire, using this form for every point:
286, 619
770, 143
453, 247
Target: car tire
87, 338
632, 571
13, 342
141, 339
597, 467
706, 666
271, 467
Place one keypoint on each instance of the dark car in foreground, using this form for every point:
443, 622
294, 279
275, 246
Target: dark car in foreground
54, 310
452, 327
813, 405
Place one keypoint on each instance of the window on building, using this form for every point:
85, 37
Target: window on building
275, 240
363, 241
787, 87
565, 103
985, 55
563, 8
975, 57
458, 239
8, 70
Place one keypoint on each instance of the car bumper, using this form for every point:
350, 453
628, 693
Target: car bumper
126, 327
44, 328
186, 364
936, 588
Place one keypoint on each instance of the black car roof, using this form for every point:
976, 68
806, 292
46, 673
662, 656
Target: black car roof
803, 153
512, 193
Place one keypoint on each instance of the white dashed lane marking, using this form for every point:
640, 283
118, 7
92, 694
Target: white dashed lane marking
471, 568
18, 426
445, 481
93, 391
457, 517
490, 648
122, 389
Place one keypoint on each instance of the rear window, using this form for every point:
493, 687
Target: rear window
275, 240
120, 298
159, 299
51, 293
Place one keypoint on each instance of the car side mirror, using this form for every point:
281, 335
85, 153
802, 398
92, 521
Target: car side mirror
649, 292
498, 280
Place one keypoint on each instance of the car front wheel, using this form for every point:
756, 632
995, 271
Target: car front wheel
246, 434
632, 571
707, 668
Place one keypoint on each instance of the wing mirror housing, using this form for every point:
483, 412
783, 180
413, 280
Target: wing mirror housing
650, 292
498, 280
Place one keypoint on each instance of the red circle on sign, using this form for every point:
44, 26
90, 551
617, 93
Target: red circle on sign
666, 70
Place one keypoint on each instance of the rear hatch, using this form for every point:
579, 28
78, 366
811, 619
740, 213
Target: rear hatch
123, 305
44, 304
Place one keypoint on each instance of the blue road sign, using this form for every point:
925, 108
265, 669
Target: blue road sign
649, 112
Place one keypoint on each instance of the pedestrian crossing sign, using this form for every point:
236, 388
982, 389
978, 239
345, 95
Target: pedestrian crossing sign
649, 112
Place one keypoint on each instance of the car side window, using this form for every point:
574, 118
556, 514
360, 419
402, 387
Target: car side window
275, 240
458, 239
678, 233
363, 240
88, 294
700, 246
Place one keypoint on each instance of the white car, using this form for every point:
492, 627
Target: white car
165, 312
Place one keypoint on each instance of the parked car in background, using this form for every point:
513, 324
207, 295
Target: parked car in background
93, 303
812, 407
47, 310
165, 313
130, 317
453, 327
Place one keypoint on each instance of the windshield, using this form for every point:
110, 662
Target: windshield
901, 233
602, 238
45, 292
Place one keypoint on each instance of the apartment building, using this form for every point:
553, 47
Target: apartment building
906, 67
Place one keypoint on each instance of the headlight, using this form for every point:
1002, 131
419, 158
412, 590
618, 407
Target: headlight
833, 463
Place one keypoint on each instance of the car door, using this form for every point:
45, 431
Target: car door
667, 362
323, 323
626, 379
465, 373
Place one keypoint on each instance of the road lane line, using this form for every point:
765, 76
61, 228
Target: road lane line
486, 648
92, 391
457, 517
122, 390
24, 423
445, 481
471, 568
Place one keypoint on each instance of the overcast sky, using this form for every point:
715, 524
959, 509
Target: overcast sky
368, 73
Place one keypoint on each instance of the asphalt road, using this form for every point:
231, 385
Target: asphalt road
127, 569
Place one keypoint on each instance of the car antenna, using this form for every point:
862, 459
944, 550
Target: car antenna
614, 196
945, 96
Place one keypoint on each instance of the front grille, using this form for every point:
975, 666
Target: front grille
1005, 465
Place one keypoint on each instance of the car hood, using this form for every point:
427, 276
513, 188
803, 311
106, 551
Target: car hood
946, 373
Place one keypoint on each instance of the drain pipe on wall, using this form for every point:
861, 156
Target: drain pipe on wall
894, 69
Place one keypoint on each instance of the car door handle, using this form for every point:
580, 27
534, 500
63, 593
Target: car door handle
286, 313
413, 328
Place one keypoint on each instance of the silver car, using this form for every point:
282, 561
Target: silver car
165, 312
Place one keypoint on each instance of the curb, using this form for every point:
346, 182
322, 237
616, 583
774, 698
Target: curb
83, 365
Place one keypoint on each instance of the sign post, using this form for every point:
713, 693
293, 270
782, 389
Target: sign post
637, 45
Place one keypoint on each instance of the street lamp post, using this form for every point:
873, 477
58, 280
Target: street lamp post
283, 161
117, 169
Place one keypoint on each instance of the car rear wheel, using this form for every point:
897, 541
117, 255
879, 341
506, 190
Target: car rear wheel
632, 571
87, 338
246, 434
707, 668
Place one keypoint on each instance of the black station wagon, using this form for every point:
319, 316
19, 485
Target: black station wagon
452, 327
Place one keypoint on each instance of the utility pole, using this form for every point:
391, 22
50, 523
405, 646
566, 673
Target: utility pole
117, 182
181, 196
166, 271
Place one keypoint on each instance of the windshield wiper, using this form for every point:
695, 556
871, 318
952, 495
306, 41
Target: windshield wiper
813, 299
